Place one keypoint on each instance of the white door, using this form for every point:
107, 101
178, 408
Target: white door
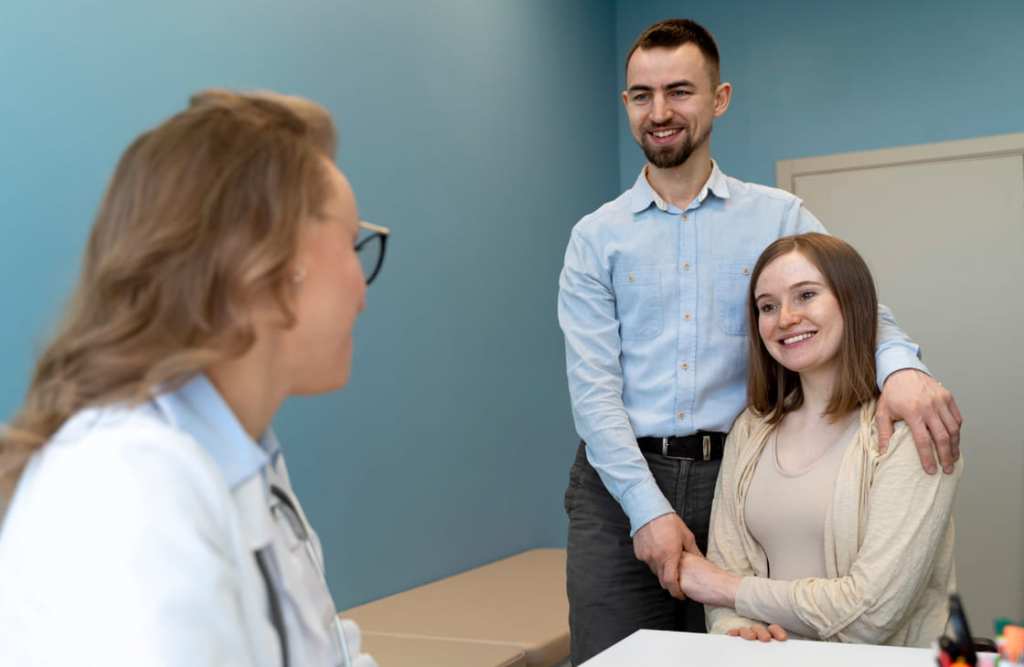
942, 228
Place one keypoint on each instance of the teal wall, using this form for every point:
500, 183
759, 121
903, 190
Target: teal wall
816, 78
478, 130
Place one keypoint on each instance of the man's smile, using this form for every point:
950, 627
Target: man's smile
664, 135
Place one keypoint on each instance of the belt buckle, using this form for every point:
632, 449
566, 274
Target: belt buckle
664, 452
706, 442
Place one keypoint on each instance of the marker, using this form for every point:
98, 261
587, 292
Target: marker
947, 652
961, 631
1014, 635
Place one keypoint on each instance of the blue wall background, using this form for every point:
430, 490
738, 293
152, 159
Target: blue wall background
816, 78
478, 130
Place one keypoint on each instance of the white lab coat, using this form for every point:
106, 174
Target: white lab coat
130, 541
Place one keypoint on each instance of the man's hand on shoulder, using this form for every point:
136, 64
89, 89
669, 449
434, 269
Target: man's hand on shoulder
929, 410
660, 543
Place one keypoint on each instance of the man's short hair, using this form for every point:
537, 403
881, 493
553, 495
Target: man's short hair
673, 33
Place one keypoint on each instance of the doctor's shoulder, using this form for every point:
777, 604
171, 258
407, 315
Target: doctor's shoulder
119, 521
120, 464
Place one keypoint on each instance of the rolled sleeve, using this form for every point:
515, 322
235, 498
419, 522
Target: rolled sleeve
643, 503
895, 350
586, 314
623, 470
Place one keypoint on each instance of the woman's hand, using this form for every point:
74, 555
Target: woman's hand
705, 582
760, 633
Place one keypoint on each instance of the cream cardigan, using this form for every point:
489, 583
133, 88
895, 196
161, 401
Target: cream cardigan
888, 540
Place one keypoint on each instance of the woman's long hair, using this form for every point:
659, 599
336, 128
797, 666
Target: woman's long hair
200, 218
772, 389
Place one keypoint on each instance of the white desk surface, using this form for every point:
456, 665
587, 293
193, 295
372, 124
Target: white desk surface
657, 648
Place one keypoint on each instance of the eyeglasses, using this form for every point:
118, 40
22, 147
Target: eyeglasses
371, 249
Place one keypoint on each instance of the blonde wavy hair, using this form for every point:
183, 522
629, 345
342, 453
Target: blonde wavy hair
200, 218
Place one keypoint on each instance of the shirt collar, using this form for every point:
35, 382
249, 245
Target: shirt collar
717, 183
642, 195
198, 409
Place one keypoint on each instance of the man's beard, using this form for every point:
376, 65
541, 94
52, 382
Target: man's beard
667, 157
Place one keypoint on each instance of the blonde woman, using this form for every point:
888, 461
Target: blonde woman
815, 533
148, 517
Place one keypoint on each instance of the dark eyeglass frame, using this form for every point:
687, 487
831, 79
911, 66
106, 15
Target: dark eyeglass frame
376, 231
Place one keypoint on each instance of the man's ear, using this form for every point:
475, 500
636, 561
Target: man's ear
723, 95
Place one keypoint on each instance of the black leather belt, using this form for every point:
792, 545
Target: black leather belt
701, 446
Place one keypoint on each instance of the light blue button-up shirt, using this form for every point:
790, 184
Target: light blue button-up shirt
652, 302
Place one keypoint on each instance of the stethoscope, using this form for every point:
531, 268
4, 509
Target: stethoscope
286, 507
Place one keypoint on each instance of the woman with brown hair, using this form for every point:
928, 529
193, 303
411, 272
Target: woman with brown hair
147, 512
814, 532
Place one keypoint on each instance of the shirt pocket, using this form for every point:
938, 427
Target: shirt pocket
732, 280
639, 304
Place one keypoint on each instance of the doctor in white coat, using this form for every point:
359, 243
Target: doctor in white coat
147, 516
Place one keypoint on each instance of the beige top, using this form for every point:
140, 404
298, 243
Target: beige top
888, 544
785, 512
785, 509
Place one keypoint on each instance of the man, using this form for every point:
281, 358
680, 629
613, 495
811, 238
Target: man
652, 305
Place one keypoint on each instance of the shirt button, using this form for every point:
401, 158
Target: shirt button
685, 366
686, 266
681, 415
685, 217
631, 278
746, 271
687, 317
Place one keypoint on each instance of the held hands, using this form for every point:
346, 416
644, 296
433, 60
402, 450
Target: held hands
760, 633
705, 582
661, 544
929, 410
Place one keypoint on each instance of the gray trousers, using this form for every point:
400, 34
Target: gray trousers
611, 593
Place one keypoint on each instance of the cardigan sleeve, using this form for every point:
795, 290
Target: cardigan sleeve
908, 515
725, 545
